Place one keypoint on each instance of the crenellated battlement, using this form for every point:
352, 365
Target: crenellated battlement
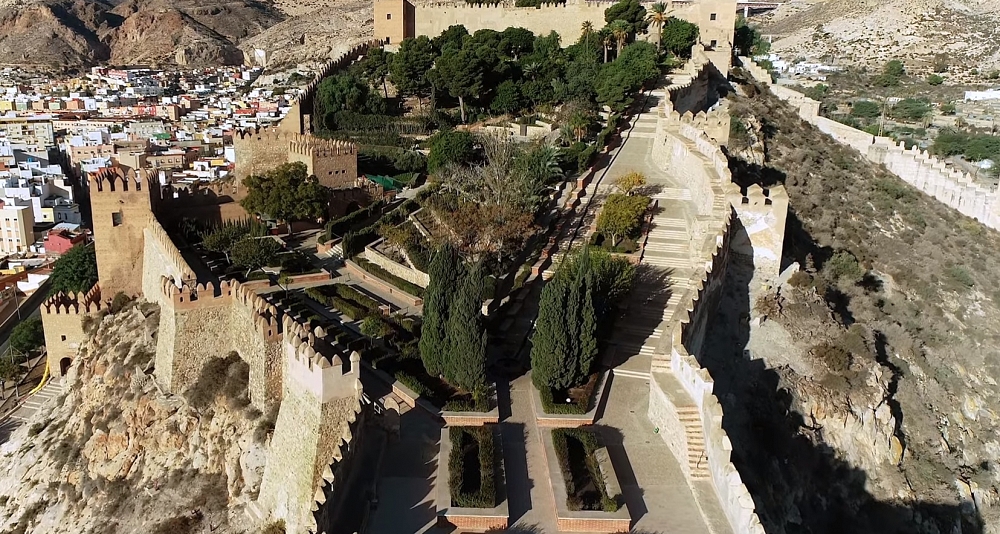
74, 303
308, 145
118, 179
199, 295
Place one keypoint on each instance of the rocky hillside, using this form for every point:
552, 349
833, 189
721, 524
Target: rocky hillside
74, 33
871, 32
114, 454
869, 399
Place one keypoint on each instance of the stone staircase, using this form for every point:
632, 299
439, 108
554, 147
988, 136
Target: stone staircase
697, 459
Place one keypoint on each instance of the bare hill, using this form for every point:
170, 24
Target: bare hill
871, 32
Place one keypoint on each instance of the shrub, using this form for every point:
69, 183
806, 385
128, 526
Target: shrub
348, 308
485, 496
961, 276
351, 293
835, 357
413, 383
587, 439
277, 527
800, 279
843, 264
935, 79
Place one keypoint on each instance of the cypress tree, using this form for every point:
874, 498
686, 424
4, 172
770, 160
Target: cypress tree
588, 330
444, 273
549, 343
465, 364
565, 373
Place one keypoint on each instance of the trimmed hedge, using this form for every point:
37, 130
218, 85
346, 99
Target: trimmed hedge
413, 383
347, 292
348, 308
486, 495
348, 222
392, 279
560, 441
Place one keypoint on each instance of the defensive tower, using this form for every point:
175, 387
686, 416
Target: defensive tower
121, 205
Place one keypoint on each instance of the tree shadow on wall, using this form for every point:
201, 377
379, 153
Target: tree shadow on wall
797, 485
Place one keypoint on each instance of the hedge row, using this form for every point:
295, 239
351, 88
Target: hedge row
348, 308
486, 495
560, 441
350, 293
392, 279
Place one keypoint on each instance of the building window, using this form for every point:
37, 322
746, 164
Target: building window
712, 16
63, 338
388, 40
388, 16
116, 218
712, 44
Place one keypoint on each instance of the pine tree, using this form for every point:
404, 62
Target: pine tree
465, 363
548, 343
444, 273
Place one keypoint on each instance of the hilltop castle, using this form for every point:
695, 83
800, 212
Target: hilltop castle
396, 20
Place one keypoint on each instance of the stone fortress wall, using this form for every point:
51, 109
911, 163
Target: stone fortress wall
725, 221
918, 168
313, 383
396, 20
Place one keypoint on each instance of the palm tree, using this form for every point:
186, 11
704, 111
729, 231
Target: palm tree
620, 31
606, 40
658, 16
587, 28
579, 123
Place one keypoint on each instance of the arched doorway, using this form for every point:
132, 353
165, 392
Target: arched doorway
64, 366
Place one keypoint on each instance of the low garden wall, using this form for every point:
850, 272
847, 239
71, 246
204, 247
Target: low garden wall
396, 269
414, 400
480, 519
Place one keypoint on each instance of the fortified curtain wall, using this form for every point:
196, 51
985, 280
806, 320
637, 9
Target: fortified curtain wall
687, 151
565, 19
918, 168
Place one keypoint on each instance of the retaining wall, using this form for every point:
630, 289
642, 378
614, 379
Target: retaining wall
918, 168
394, 268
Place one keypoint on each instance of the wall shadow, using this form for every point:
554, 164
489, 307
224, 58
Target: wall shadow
632, 493
650, 293
798, 485
519, 481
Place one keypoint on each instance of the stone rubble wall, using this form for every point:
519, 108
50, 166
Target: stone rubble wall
689, 153
918, 168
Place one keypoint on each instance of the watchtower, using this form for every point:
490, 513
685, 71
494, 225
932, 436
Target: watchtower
716, 20
394, 21
121, 206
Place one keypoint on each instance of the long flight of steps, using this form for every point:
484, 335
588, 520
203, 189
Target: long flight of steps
697, 459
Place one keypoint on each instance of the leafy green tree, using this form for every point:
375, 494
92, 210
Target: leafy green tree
454, 38
948, 108
449, 146
345, 92
865, 109
254, 253
630, 11
507, 98
678, 37
410, 66
286, 193
459, 71
894, 68
621, 216
8, 369
222, 238
516, 42
466, 335
911, 109
27, 336
375, 67
445, 272
75, 271
748, 41
935, 79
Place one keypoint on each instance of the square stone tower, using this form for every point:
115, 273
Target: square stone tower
394, 21
716, 20
121, 204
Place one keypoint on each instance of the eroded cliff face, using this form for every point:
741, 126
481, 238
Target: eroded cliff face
115, 454
860, 394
